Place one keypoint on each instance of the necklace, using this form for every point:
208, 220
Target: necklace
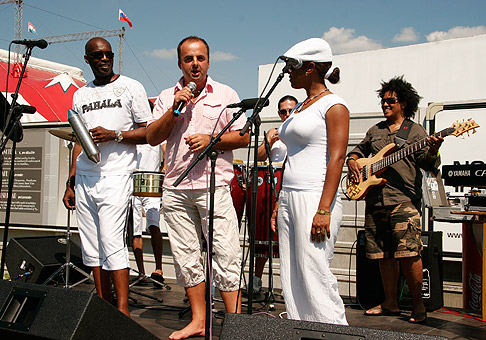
301, 107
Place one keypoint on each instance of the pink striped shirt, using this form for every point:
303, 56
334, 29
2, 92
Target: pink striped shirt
200, 116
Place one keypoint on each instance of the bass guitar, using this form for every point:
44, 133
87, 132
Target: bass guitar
371, 168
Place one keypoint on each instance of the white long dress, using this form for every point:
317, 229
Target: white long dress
310, 288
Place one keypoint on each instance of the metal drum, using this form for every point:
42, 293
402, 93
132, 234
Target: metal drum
148, 183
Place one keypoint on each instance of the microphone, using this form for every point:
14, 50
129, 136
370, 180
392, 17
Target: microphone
267, 145
89, 147
295, 63
25, 109
248, 103
177, 111
41, 43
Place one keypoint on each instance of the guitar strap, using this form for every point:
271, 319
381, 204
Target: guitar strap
402, 135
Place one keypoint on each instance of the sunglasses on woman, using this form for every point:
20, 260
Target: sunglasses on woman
99, 54
389, 101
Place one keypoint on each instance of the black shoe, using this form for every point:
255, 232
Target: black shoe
158, 280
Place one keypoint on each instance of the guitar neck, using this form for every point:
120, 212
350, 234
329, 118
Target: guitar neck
404, 152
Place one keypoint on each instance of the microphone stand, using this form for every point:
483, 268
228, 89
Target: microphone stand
15, 115
271, 190
255, 120
212, 153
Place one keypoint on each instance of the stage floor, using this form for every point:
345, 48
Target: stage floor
163, 311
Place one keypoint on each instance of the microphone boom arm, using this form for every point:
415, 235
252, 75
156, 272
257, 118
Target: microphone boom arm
260, 104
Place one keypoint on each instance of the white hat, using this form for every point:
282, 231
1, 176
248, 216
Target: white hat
313, 49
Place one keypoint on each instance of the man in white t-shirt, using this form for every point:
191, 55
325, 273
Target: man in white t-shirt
115, 110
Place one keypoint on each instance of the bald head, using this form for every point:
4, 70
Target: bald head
93, 43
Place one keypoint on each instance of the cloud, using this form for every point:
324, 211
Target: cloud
407, 34
456, 32
163, 53
344, 40
222, 56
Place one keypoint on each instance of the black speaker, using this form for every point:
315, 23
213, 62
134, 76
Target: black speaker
244, 326
369, 288
40, 257
432, 284
30, 311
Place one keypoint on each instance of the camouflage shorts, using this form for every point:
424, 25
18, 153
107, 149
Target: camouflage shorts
393, 231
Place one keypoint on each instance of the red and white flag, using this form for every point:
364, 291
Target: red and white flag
123, 17
31, 28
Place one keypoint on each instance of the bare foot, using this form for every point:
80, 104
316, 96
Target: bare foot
193, 329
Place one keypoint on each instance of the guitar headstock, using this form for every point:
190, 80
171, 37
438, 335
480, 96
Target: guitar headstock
463, 127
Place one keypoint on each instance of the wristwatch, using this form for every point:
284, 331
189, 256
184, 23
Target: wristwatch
118, 136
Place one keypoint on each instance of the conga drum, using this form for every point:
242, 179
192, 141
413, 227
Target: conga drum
264, 210
238, 187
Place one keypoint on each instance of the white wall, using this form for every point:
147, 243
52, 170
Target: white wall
449, 70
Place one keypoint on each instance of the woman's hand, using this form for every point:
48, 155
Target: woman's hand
354, 171
321, 225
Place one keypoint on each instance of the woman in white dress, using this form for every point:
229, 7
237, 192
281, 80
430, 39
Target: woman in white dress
309, 211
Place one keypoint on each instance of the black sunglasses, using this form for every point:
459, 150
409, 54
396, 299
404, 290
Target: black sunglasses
389, 101
284, 111
100, 54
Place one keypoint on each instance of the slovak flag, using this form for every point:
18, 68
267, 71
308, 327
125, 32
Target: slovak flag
31, 28
122, 17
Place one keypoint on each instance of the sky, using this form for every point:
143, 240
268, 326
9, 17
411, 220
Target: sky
241, 34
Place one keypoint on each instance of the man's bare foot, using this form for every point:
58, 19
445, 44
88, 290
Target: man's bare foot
193, 329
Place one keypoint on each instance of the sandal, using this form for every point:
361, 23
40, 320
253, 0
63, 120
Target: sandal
158, 279
418, 318
381, 311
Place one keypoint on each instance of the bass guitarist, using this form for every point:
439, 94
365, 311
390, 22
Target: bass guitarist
393, 210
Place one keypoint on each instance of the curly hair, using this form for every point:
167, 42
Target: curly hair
405, 93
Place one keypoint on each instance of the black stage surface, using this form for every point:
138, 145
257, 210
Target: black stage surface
162, 318
163, 310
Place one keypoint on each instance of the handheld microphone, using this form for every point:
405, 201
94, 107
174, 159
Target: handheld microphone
295, 63
89, 147
248, 103
177, 111
41, 43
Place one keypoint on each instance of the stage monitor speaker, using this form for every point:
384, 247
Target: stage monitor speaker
369, 288
40, 257
29, 311
246, 327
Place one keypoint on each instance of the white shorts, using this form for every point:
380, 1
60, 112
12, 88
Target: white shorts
151, 207
102, 212
185, 215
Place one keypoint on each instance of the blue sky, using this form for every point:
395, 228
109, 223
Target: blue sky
241, 34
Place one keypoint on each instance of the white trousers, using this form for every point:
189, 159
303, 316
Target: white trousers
151, 207
310, 288
185, 215
102, 211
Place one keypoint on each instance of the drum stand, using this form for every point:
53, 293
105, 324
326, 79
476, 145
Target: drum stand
64, 269
270, 296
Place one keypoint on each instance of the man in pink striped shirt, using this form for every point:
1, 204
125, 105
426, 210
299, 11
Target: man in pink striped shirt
186, 206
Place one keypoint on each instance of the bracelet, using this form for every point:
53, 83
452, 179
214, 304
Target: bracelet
276, 210
434, 156
323, 212
350, 158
